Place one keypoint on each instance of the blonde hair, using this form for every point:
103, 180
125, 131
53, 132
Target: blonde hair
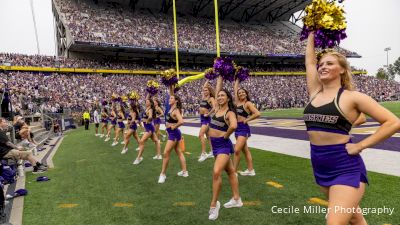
346, 78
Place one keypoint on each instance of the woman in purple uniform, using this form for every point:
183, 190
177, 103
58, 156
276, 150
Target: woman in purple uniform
206, 105
173, 122
148, 117
104, 121
246, 112
132, 127
113, 119
333, 108
121, 126
159, 115
222, 125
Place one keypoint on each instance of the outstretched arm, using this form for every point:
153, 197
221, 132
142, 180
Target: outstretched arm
235, 90
219, 85
313, 84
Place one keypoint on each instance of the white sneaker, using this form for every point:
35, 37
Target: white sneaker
114, 144
183, 173
210, 155
137, 149
101, 135
137, 161
107, 139
233, 203
213, 213
162, 178
122, 142
124, 150
203, 157
248, 173
157, 157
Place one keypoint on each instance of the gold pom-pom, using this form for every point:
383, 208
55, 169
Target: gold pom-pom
326, 15
168, 74
153, 83
134, 95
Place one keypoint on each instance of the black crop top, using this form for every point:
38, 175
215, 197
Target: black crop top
219, 123
169, 117
327, 117
205, 104
241, 111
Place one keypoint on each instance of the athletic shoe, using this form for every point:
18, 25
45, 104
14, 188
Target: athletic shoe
122, 142
162, 178
203, 157
248, 173
157, 157
213, 213
124, 150
137, 161
39, 169
101, 135
183, 173
137, 149
210, 155
233, 203
107, 139
114, 144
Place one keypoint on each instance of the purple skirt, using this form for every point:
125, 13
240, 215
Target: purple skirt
133, 126
114, 122
333, 165
220, 145
105, 121
149, 127
205, 120
242, 130
174, 135
157, 121
121, 125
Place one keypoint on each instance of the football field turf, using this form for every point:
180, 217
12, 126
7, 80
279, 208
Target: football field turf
92, 183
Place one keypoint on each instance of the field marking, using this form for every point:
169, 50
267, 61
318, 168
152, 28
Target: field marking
123, 204
188, 153
67, 205
252, 203
318, 201
274, 184
184, 204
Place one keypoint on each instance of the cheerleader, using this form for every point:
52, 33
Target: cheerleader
222, 125
148, 117
206, 105
121, 126
104, 122
173, 122
329, 116
159, 115
113, 119
132, 124
246, 112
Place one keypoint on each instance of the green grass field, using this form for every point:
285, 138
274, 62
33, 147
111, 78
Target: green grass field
95, 176
298, 112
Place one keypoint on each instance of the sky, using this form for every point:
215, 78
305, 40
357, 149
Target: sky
372, 26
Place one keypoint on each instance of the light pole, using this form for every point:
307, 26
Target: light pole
387, 56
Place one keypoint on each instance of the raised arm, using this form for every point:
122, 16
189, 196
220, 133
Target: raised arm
235, 90
171, 90
313, 84
218, 86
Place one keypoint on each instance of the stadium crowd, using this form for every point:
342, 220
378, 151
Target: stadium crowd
104, 23
32, 92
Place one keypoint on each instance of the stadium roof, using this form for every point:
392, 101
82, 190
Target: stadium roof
238, 10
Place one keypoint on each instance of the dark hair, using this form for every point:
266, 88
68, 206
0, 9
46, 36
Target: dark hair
231, 105
153, 108
178, 102
247, 93
134, 108
105, 110
211, 91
